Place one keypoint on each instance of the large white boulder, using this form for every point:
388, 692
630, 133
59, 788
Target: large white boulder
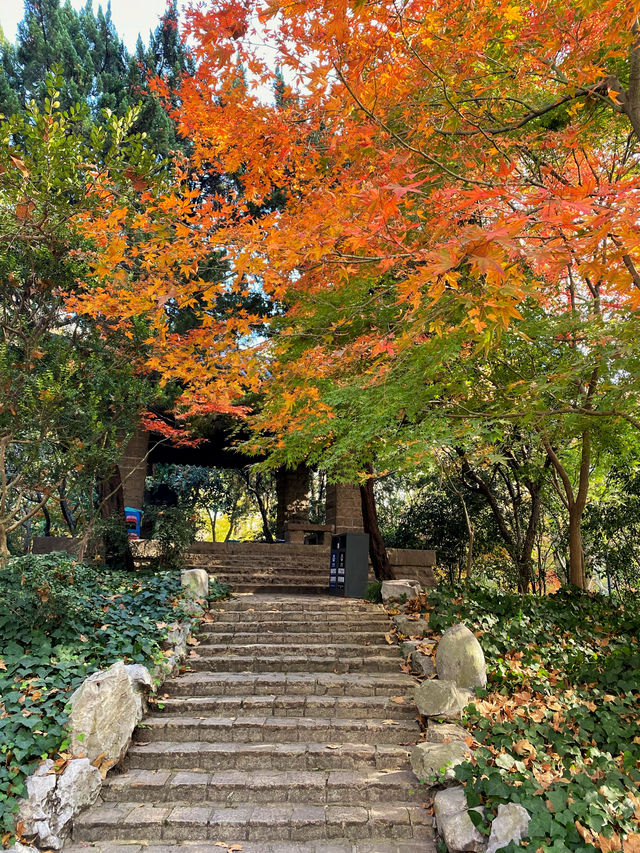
436, 698
53, 800
510, 824
105, 709
196, 580
454, 824
434, 763
398, 588
460, 658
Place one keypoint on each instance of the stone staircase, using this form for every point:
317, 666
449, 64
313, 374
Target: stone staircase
291, 732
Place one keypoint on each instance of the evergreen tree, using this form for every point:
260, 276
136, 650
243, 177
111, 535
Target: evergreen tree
96, 67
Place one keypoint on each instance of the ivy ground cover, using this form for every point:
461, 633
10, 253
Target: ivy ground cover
59, 622
557, 729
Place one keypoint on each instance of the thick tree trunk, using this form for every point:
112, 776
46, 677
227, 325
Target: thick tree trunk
377, 549
111, 496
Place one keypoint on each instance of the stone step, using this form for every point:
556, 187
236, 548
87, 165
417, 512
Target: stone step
275, 729
225, 755
240, 637
379, 845
265, 822
241, 787
293, 684
368, 707
296, 604
301, 650
329, 618
261, 587
291, 663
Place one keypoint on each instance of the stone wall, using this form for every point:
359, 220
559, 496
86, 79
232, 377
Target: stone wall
133, 468
344, 508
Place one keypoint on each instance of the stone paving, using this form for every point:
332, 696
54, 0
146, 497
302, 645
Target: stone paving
291, 733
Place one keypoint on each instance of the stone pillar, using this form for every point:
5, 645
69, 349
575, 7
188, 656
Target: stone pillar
133, 468
344, 508
292, 488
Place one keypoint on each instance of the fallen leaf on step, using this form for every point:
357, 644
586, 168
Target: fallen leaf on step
193, 642
333, 746
397, 699
207, 617
389, 639
389, 722
234, 848
193, 654
220, 844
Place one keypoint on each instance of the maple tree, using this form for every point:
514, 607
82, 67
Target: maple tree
454, 176
443, 165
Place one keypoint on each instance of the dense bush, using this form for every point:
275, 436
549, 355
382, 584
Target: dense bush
60, 621
557, 727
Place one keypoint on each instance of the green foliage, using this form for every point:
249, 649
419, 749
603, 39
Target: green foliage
97, 68
69, 391
374, 592
557, 726
60, 621
174, 530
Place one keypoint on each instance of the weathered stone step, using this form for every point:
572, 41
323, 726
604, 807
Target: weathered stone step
298, 604
282, 822
370, 621
309, 684
242, 637
368, 707
380, 845
291, 663
275, 729
240, 787
301, 650
262, 587
225, 755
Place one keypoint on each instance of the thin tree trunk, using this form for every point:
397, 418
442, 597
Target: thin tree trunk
66, 511
213, 518
377, 549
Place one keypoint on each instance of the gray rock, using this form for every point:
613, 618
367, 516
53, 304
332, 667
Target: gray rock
141, 683
410, 627
444, 732
454, 823
409, 646
436, 698
398, 588
22, 848
434, 762
105, 709
422, 664
460, 835
448, 802
196, 580
139, 676
460, 658
511, 824
53, 800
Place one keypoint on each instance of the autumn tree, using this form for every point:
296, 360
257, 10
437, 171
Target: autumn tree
462, 160
452, 175
69, 392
